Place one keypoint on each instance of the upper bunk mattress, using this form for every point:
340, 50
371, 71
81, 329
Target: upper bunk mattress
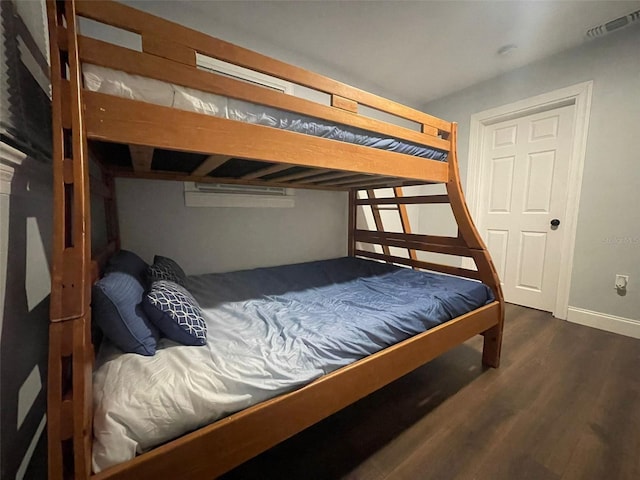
135, 87
270, 331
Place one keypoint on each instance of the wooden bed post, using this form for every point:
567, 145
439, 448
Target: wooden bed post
352, 222
70, 349
111, 211
467, 230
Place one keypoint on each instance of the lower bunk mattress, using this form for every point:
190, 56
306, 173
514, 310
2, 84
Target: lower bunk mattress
270, 331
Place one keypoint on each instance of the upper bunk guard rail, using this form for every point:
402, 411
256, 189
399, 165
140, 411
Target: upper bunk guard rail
149, 65
185, 40
112, 118
169, 55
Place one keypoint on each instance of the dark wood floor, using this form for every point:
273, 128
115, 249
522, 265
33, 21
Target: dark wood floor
565, 404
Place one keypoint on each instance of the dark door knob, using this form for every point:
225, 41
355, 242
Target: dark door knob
555, 222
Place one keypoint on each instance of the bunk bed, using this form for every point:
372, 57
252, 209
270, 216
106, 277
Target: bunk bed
228, 131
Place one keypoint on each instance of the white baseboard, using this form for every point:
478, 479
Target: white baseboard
603, 321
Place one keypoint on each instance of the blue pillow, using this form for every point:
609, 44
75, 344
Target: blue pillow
176, 313
117, 310
164, 268
127, 262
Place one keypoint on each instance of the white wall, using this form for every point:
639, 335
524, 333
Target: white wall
154, 220
608, 233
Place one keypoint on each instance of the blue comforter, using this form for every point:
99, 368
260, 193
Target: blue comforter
270, 330
334, 312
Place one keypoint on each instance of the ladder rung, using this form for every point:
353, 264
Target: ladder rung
422, 199
386, 207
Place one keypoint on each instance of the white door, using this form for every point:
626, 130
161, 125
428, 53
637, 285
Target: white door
525, 169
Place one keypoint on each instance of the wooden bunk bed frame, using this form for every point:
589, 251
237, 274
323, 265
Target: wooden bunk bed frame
169, 54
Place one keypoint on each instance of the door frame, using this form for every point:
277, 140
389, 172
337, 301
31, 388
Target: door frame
578, 95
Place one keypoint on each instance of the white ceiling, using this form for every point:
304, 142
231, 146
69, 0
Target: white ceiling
417, 51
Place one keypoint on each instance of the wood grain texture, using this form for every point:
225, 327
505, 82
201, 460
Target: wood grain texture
141, 157
404, 219
120, 120
377, 222
112, 56
467, 230
565, 405
164, 48
409, 241
266, 171
352, 222
177, 177
344, 103
326, 177
422, 199
436, 267
209, 164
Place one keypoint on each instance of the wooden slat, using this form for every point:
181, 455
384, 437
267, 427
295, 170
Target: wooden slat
266, 171
215, 449
60, 119
141, 157
111, 210
419, 199
353, 177
62, 38
180, 177
417, 237
120, 120
108, 55
380, 183
162, 47
344, 103
210, 164
460, 272
372, 182
352, 221
377, 220
300, 175
429, 130
326, 177
410, 242
67, 171
128, 18
65, 97
404, 219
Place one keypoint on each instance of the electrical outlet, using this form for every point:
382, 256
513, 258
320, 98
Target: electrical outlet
621, 282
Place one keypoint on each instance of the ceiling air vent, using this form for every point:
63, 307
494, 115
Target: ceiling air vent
618, 23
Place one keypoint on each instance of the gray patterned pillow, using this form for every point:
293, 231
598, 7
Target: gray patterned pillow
164, 268
175, 312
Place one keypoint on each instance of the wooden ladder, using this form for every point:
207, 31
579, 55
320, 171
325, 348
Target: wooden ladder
401, 208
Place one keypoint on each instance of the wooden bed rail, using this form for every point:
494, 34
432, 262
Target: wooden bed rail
104, 54
165, 39
169, 55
